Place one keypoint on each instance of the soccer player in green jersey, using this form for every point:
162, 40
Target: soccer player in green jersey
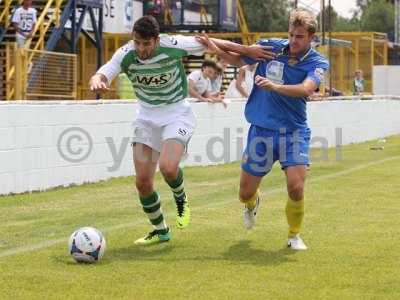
165, 121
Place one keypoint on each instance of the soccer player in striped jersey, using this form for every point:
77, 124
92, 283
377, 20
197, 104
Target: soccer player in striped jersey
165, 121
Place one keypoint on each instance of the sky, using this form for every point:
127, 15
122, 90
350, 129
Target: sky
343, 7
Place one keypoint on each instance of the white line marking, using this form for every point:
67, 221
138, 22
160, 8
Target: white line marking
50, 243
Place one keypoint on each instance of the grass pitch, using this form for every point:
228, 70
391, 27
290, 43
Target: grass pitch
351, 226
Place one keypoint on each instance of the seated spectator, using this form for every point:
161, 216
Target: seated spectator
243, 84
24, 21
216, 82
200, 83
358, 83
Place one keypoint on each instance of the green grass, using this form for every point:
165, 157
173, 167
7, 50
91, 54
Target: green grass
352, 225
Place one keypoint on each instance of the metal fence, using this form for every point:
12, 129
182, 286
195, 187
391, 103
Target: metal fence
38, 75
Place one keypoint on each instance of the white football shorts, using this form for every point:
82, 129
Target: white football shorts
180, 128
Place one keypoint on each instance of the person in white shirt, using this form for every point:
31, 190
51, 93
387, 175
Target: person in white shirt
243, 84
200, 83
216, 82
24, 21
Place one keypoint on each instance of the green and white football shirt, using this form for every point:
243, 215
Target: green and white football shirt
160, 80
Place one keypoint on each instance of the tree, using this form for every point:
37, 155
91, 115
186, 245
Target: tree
345, 24
378, 15
266, 15
334, 18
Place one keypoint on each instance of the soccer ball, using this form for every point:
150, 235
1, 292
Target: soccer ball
87, 244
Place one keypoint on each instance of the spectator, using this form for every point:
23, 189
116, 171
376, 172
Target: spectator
177, 12
24, 21
243, 84
155, 8
216, 81
358, 83
200, 82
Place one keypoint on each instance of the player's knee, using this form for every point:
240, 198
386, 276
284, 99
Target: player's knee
296, 191
168, 170
144, 185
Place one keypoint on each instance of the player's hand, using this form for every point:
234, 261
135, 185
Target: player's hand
207, 42
260, 52
264, 83
97, 84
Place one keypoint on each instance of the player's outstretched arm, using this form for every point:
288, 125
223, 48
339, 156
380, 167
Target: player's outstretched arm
101, 81
256, 52
229, 57
304, 89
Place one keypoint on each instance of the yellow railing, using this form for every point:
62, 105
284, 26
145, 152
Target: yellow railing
7, 60
48, 75
42, 26
5, 14
365, 50
246, 39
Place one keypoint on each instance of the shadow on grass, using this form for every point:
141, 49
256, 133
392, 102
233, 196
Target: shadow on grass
152, 252
240, 252
243, 252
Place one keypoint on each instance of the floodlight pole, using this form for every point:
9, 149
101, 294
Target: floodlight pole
397, 21
323, 21
295, 3
330, 44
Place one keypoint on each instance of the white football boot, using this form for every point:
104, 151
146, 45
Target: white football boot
296, 243
250, 215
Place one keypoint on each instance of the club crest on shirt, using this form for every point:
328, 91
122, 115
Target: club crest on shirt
274, 71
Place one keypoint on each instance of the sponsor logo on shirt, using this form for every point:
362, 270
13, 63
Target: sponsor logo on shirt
153, 80
274, 71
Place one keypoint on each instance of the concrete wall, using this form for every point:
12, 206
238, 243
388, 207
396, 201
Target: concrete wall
44, 145
386, 80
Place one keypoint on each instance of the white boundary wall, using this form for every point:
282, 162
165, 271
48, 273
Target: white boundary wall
386, 80
29, 133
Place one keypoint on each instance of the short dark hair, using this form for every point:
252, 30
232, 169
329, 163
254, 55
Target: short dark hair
209, 63
147, 27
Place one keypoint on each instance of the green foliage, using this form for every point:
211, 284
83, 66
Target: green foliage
345, 24
339, 23
266, 15
378, 16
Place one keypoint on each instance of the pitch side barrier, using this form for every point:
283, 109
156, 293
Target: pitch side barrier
47, 144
